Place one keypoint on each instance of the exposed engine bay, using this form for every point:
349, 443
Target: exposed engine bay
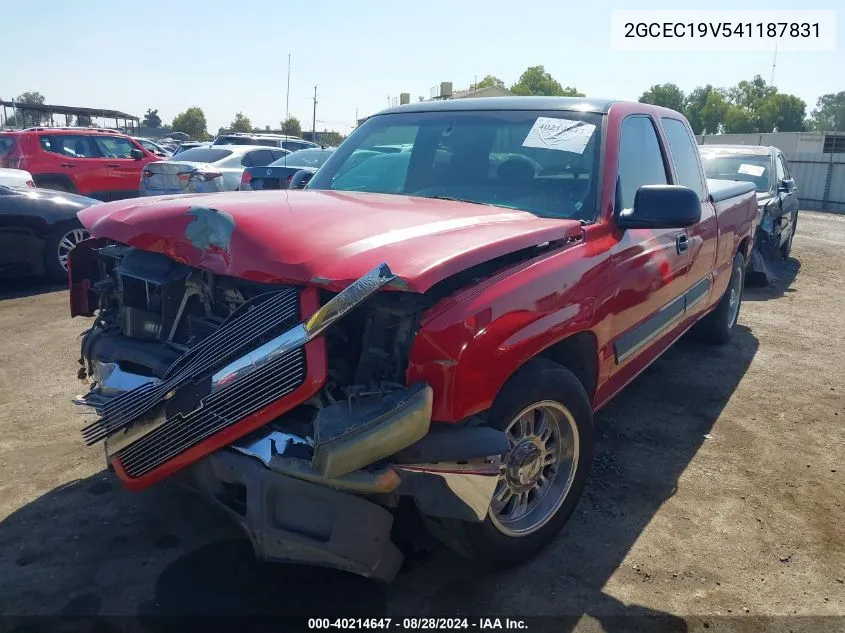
258, 386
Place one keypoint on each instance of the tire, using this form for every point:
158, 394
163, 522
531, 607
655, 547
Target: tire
504, 539
57, 246
786, 247
717, 326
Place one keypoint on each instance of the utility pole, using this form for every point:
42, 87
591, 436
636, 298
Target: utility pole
774, 62
314, 120
287, 98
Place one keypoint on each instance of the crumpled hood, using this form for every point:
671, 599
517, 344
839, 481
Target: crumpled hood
327, 238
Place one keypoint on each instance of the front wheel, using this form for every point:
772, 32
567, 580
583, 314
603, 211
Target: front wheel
547, 416
786, 247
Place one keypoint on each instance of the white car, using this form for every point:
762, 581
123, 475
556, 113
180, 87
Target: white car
16, 178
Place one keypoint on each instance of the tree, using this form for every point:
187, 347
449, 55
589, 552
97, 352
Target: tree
781, 112
192, 122
705, 108
714, 112
490, 80
829, 114
332, 139
240, 124
151, 119
749, 94
291, 126
666, 95
28, 117
738, 121
536, 81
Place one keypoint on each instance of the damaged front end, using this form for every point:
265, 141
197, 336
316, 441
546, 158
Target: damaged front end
773, 229
285, 405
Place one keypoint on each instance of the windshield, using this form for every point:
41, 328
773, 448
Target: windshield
749, 168
542, 162
204, 155
303, 158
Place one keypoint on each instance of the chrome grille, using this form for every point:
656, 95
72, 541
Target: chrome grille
220, 410
267, 316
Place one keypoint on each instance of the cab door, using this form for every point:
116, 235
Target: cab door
648, 274
700, 240
124, 171
79, 160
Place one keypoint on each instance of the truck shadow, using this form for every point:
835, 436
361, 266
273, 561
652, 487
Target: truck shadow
784, 270
91, 548
19, 287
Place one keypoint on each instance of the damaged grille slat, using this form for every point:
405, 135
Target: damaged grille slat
255, 324
136, 467
231, 404
249, 328
242, 399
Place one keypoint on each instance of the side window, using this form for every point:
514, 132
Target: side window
73, 145
684, 154
640, 160
261, 157
781, 168
114, 146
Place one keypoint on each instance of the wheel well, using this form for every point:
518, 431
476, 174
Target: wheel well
579, 354
743, 247
59, 179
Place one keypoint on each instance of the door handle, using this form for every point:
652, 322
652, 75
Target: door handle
68, 165
682, 243
115, 165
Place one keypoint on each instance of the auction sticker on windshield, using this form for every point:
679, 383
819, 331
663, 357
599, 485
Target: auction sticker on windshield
559, 134
751, 170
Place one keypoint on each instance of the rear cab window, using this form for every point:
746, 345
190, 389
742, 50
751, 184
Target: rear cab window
684, 155
640, 160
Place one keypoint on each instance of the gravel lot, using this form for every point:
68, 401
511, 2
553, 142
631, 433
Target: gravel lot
717, 488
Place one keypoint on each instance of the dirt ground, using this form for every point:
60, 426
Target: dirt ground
717, 489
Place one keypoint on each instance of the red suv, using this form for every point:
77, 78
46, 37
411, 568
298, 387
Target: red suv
92, 162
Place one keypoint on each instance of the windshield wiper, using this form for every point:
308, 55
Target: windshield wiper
453, 199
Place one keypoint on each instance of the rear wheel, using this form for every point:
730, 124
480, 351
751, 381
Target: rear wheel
717, 326
57, 248
547, 416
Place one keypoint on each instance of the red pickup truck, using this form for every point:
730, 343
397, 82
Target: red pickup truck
436, 325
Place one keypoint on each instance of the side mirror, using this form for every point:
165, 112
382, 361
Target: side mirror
300, 179
136, 154
661, 207
786, 185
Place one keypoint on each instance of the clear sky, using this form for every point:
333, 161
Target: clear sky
232, 56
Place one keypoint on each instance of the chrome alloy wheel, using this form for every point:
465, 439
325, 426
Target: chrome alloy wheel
735, 295
68, 243
539, 470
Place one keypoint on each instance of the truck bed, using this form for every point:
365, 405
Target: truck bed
723, 189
